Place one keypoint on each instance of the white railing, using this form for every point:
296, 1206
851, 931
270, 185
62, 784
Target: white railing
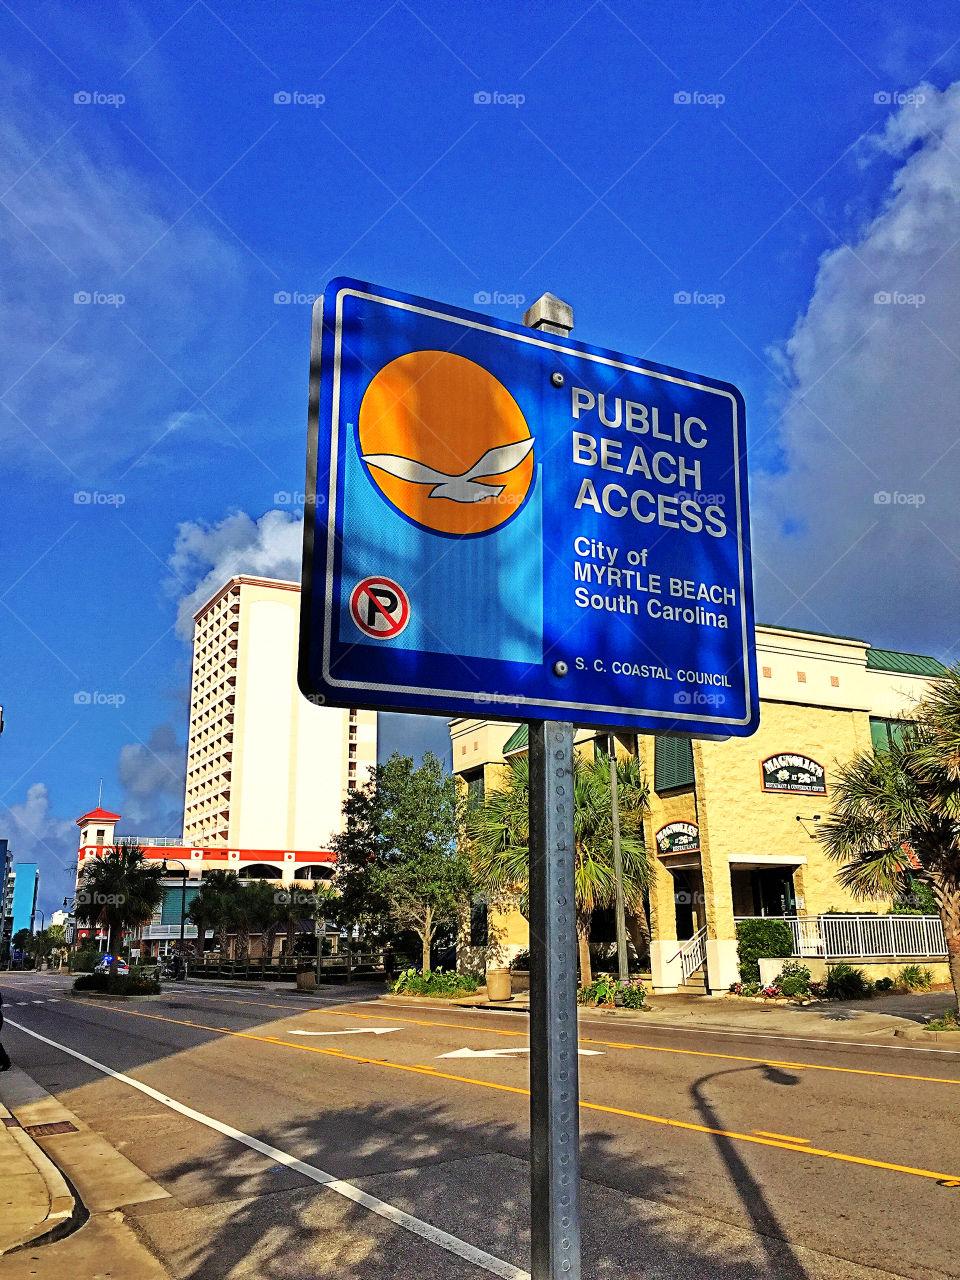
160, 932
693, 953
864, 937
152, 842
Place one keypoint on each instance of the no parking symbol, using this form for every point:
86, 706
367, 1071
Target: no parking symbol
379, 607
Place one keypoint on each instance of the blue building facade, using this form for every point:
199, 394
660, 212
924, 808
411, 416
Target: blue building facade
26, 880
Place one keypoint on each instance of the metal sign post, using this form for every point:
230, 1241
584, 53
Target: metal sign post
554, 1062
554, 1065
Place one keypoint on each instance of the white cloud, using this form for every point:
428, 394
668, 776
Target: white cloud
863, 521
151, 774
37, 835
206, 555
83, 217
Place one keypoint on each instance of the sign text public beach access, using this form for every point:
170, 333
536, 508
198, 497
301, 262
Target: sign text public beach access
516, 525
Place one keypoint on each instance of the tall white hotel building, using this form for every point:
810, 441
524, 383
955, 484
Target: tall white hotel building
266, 769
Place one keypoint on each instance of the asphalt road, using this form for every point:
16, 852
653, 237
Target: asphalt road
705, 1154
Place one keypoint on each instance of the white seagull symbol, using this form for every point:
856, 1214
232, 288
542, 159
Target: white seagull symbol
464, 487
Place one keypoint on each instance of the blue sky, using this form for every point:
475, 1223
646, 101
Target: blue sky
757, 154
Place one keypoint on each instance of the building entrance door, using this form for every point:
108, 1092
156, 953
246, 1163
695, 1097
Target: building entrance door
773, 893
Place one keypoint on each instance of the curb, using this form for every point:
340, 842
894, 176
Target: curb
66, 1211
921, 1033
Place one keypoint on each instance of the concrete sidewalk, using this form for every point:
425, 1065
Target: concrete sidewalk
52, 1228
880, 1018
35, 1201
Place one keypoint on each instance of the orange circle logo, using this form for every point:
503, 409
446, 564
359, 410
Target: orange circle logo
446, 443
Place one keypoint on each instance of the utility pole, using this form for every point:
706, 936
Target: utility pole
623, 969
554, 1065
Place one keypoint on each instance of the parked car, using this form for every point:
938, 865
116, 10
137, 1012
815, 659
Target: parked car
103, 965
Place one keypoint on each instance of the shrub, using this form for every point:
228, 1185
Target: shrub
914, 977
884, 984
413, 983
606, 989
846, 983
794, 979
949, 1022
521, 961
745, 989
135, 983
83, 961
757, 939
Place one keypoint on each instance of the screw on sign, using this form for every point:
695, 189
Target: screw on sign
380, 608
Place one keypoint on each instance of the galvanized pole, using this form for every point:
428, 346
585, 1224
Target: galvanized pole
623, 969
554, 1066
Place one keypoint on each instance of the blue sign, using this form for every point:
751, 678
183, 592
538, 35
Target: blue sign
505, 523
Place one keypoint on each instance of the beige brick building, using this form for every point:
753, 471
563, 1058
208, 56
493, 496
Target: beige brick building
730, 823
266, 769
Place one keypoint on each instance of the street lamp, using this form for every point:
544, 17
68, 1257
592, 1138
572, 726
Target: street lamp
183, 898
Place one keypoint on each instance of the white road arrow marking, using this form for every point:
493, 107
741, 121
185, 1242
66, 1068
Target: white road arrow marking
503, 1053
354, 1031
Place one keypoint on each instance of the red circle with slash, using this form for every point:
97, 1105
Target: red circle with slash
379, 607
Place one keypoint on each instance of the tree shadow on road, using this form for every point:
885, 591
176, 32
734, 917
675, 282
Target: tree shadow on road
258, 1218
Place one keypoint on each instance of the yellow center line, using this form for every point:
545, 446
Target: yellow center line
783, 1143
785, 1137
611, 1044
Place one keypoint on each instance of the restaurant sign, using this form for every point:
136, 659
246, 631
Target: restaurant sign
678, 837
793, 773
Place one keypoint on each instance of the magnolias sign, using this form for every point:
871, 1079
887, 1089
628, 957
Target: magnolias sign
678, 837
798, 774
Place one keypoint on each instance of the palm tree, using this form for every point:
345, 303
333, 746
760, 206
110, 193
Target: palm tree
896, 814
498, 833
119, 891
211, 908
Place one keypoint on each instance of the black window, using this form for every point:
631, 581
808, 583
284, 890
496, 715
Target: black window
479, 930
475, 788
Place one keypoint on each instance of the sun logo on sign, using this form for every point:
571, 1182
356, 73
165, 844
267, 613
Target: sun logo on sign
445, 443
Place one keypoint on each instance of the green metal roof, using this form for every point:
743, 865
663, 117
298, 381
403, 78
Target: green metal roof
911, 664
518, 741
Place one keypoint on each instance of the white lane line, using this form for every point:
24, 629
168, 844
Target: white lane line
504, 1053
354, 1031
426, 1230
768, 1035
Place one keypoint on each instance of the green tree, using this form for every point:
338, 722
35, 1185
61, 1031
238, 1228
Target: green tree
212, 907
498, 834
263, 909
22, 940
119, 891
895, 814
398, 859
